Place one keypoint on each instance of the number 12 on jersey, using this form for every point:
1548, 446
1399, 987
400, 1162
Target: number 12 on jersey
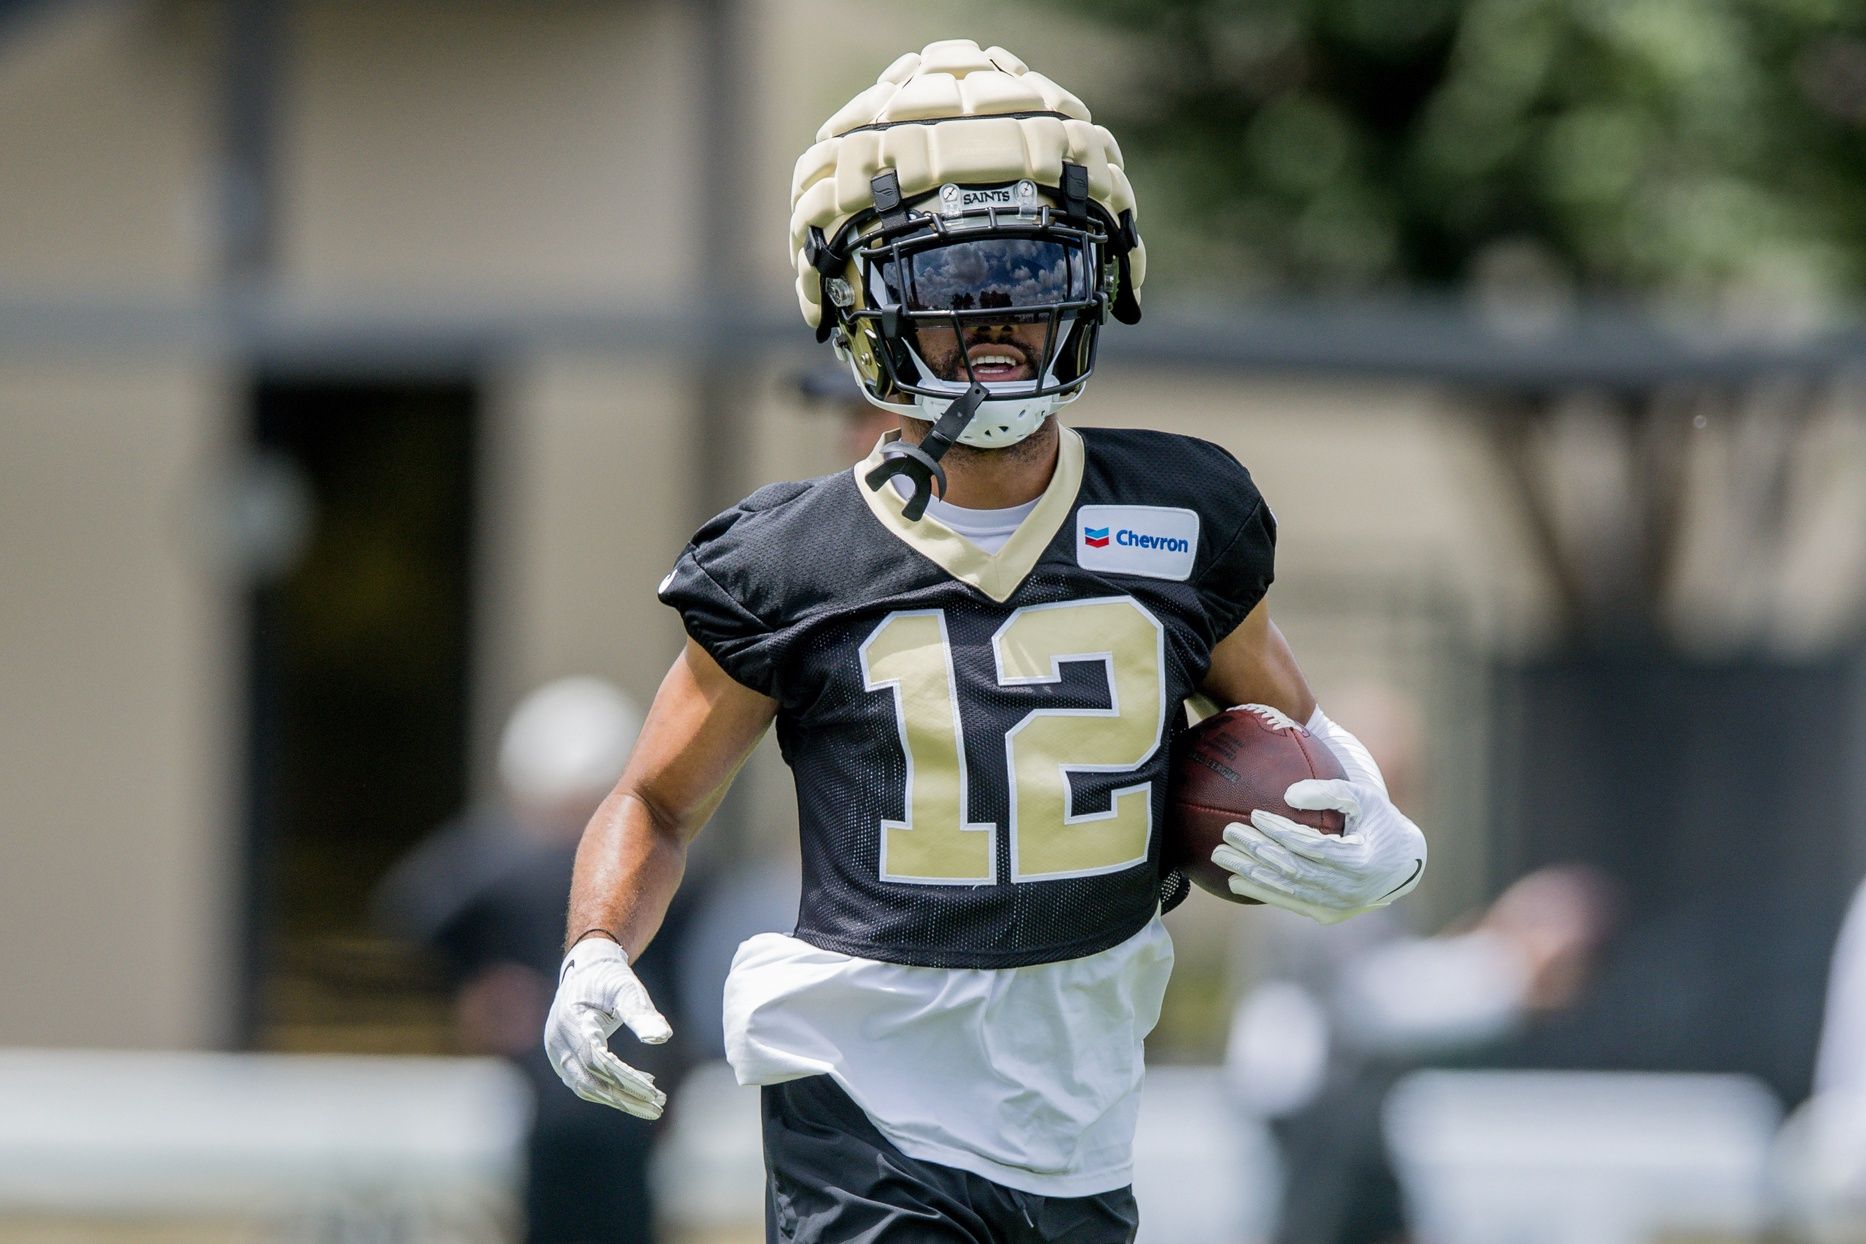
939, 843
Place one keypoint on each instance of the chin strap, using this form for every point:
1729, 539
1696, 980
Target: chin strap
921, 462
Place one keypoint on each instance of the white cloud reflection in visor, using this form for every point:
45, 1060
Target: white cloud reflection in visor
985, 273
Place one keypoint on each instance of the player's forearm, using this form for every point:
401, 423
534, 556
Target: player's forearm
700, 730
1254, 665
629, 864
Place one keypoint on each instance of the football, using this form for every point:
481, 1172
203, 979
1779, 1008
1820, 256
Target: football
1228, 766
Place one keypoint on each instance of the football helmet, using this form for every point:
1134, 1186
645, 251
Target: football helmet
960, 231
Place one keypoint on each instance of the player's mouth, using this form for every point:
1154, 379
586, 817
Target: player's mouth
999, 361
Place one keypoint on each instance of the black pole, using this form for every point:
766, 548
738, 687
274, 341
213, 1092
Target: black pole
726, 197
250, 70
252, 44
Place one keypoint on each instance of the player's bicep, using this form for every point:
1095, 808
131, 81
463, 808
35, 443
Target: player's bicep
700, 730
1254, 665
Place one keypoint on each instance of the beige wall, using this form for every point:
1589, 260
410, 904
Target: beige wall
586, 473
519, 153
514, 152
117, 854
106, 185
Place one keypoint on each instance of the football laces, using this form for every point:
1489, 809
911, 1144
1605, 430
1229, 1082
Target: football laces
1276, 719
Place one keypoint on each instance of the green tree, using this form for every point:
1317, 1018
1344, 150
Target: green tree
1687, 148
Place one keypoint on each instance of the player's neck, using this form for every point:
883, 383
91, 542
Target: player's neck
995, 479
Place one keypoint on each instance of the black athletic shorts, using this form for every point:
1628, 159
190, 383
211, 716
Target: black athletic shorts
831, 1178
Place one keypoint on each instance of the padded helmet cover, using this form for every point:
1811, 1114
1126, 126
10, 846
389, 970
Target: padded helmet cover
951, 112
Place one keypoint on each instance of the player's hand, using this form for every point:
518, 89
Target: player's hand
1380, 856
596, 994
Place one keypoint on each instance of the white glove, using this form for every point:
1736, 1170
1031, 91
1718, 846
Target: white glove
596, 994
1327, 878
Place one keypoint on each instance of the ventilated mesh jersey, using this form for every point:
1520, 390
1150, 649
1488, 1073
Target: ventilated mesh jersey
980, 742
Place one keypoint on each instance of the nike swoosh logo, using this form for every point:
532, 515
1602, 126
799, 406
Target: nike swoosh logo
1417, 867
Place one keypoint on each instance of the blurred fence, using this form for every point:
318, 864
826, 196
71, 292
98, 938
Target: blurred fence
297, 1148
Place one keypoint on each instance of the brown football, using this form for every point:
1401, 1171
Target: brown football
1228, 766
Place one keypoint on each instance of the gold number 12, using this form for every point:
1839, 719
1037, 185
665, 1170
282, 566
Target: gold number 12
939, 843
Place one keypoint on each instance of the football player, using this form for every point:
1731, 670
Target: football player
976, 647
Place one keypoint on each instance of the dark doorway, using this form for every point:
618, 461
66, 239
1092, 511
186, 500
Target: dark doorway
359, 666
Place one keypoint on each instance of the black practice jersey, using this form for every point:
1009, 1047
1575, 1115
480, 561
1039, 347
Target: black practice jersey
980, 742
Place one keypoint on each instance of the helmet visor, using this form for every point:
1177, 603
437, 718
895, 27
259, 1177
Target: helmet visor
994, 309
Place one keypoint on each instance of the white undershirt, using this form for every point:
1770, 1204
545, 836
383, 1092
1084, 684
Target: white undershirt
1027, 1076
988, 529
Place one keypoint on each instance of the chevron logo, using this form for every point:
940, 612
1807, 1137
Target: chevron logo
1152, 541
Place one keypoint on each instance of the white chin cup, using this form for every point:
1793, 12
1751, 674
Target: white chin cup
1000, 421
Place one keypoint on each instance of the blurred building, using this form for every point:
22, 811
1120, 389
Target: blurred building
361, 365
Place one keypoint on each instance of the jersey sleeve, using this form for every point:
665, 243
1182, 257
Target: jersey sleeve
731, 634
1243, 559
711, 585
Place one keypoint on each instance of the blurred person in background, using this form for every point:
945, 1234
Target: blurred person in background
1340, 1013
1825, 1168
949, 1042
486, 895
1819, 1166
1840, 1068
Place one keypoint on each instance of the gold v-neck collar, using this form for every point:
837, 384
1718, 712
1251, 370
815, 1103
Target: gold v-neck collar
998, 574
